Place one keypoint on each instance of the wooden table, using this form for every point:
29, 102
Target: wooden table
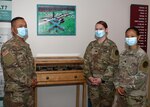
61, 71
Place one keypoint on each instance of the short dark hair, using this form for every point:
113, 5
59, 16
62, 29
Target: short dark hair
14, 19
133, 28
102, 23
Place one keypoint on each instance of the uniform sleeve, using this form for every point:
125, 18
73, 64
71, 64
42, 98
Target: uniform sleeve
140, 79
112, 67
87, 71
12, 68
117, 75
34, 76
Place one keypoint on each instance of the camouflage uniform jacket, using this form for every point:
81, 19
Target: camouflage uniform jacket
18, 65
133, 72
101, 60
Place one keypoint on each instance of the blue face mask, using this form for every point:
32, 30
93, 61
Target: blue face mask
22, 32
131, 41
100, 33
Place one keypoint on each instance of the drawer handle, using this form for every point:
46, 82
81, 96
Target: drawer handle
75, 76
47, 78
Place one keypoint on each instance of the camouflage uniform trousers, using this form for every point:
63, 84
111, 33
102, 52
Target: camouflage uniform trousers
101, 96
130, 101
19, 99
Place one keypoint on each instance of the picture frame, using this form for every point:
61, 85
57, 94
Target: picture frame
5, 10
56, 20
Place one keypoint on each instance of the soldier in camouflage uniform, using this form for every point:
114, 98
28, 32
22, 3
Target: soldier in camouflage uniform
18, 67
100, 64
131, 80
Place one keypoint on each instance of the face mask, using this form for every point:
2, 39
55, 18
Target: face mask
22, 32
100, 33
131, 41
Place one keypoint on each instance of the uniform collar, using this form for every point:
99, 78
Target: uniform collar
19, 40
103, 41
133, 50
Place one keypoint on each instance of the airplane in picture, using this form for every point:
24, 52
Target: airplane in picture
55, 20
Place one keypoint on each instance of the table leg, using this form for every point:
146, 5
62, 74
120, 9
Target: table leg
84, 95
77, 95
35, 97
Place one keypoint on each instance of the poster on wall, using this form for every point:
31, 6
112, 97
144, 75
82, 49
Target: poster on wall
5, 10
5, 34
56, 20
139, 19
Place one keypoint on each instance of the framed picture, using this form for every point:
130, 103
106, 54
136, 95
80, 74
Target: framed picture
5, 10
56, 20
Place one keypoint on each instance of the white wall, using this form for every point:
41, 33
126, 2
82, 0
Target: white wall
115, 12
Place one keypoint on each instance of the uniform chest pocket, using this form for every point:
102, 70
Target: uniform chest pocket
131, 65
105, 53
22, 57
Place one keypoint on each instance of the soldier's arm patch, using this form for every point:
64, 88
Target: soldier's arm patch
8, 57
144, 65
114, 54
5, 53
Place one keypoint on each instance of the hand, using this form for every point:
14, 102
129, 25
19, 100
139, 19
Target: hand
34, 83
120, 90
95, 81
91, 79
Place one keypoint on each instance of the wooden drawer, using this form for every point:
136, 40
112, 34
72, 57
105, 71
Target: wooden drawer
59, 77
